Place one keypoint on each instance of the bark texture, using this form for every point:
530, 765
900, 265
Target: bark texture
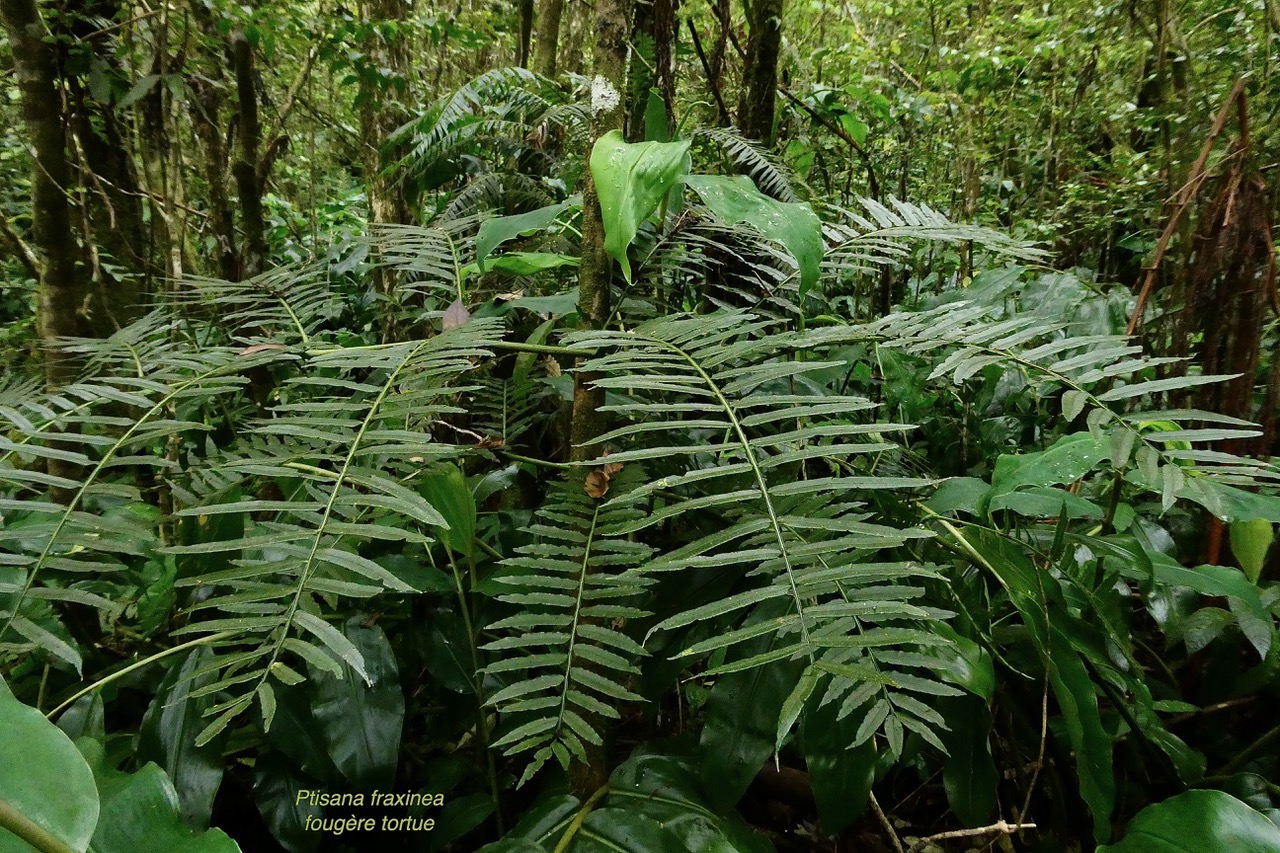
64, 292
547, 40
760, 76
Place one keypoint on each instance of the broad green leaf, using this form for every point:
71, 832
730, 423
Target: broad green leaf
969, 774
1068, 677
1045, 502
631, 180
742, 719
794, 225
523, 263
1249, 542
617, 830
43, 778
1067, 460
140, 813
276, 783
1091, 743
493, 232
362, 722
666, 789
1198, 821
841, 777
168, 735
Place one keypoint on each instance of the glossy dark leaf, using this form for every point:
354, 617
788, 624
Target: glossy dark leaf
275, 791
168, 736
362, 722
1198, 821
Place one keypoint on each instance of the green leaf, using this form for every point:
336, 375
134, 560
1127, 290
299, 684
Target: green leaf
1198, 821
493, 232
524, 263
276, 784
841, 777
631, 180
447, 491
969, 774
140, 813
362, 722
138, 91
1089, 740
168, 735
742, 721
794, 225
1067, 460
1249, 542
43, 778
612, 830
794, 704
665, 788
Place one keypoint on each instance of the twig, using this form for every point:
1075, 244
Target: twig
1183, 200
873, 181
999, 826
884, 821
712, 83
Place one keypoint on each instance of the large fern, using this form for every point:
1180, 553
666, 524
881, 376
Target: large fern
353, 431
739, 433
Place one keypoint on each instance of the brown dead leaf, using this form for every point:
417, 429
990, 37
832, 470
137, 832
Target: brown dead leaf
597, 482
456, 315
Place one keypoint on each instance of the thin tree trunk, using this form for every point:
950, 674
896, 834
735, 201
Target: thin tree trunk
760, 76
595, 281
248, 183
525, 8
548, 36
64, 284
378, 118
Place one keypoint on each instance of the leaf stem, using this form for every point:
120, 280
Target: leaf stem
136, 665
581, 816
29, 831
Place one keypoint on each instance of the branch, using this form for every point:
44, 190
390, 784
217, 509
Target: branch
1183, 200
999, 826
18, 246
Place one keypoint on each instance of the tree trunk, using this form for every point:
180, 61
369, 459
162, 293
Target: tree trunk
595, 281
526, 32
548, 36
248, 182
760, 75
63, 294
64, 280
379, 116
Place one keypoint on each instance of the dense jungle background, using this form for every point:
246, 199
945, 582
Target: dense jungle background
551, 426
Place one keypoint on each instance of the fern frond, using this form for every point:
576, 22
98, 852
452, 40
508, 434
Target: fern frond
572, 589
883, 233
772, 465
751, 159
346, 444
1105, 377
97, 428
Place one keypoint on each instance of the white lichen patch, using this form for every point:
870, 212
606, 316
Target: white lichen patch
604, 96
